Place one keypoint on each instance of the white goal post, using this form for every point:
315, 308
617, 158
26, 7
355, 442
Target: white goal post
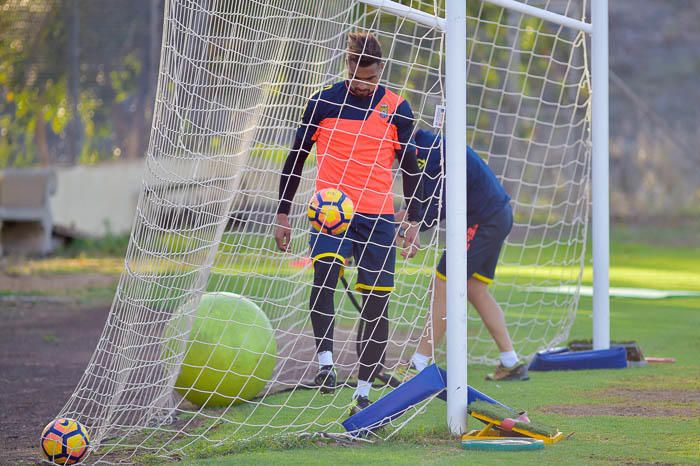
456, 215
456, 300
235, 79
456, 210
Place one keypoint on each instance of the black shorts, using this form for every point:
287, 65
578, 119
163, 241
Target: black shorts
484, 243
370, 240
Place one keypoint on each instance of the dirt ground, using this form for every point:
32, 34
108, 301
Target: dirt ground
624, 401
45, 346
46, 343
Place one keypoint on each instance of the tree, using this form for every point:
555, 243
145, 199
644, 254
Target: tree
76, 79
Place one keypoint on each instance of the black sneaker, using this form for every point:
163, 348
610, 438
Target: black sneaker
325, 379
358, 404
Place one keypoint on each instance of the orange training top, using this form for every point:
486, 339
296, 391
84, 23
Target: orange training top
357, 139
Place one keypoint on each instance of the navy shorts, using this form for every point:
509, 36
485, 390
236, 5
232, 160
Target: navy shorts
370, 241
484, 242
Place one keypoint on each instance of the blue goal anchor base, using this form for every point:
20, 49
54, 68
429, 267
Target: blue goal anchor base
472, 393
428, 382
562, 359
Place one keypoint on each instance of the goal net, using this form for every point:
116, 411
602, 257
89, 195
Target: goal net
234, 80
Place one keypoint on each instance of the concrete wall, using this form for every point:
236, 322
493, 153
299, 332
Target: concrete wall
90, 197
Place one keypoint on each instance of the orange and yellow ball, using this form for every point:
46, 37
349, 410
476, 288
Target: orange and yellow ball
65, 441
330, 211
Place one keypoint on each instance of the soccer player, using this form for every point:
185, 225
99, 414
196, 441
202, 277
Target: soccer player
359, 128
490, 219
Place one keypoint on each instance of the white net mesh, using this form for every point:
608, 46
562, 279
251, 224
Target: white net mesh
234, 80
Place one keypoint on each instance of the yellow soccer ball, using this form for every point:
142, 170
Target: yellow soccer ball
330, 211
65, 441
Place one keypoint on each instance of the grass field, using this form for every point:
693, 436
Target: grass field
633, 416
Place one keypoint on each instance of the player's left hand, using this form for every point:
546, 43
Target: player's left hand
408, 233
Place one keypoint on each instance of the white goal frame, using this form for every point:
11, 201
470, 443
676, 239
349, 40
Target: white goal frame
455, 28
524, 82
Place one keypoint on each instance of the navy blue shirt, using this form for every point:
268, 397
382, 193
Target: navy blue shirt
485, 194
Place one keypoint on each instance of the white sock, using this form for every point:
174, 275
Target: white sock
362, 388
420, 361
325, 358
509, 358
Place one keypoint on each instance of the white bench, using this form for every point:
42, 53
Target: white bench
25, 213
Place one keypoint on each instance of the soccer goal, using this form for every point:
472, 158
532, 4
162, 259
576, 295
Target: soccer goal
234, 80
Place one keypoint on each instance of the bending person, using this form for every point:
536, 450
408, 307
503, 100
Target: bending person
490, 219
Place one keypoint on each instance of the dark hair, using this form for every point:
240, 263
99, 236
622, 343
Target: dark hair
364, 49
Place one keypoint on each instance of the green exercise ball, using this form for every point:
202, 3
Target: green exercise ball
230, 354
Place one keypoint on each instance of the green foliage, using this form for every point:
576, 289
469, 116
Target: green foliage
123, 80
36, 108
111, 245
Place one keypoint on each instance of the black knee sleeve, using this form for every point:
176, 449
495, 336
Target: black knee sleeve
375, 333
326, 272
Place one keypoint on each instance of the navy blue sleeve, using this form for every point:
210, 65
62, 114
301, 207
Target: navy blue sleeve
313, 114
410, 177
303, 142
433, 185
404, 121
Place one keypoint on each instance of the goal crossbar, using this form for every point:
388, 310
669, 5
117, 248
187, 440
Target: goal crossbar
407, 12
429, 20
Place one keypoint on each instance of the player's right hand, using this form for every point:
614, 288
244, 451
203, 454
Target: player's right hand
408, 232
283, 232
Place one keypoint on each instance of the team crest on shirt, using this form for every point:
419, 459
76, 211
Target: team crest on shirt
384, 110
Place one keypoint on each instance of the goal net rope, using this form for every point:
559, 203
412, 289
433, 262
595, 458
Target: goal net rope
234, 80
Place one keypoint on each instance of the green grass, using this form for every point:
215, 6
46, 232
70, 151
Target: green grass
611, 428
111, 245
85, 295
632, 416
67, 266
